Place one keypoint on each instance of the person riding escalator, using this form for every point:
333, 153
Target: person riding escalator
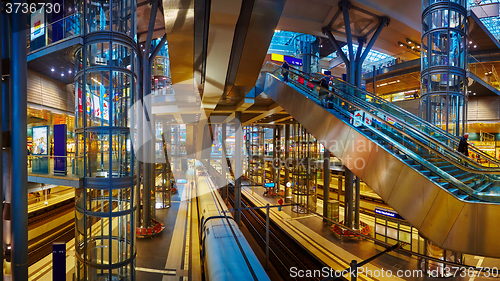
327, 102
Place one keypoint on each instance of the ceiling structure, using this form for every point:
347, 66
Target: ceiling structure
219, 58
310, 16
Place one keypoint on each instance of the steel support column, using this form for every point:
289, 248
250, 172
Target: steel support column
278, 159
224, 161
384, 21
148, 146
345, 5
358, 63
287, 156
275, 159
339, 185
1, 149
348, 210
238, 165
326, 182
357, 204
19, 173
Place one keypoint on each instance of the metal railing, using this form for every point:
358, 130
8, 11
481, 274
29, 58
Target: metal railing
407, 139
54, 32
44, 165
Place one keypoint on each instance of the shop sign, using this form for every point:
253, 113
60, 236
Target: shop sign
358, 118
388, 213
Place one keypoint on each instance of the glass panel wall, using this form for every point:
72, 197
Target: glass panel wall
105, 87
443, 68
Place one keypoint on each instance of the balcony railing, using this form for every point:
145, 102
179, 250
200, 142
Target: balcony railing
54, 32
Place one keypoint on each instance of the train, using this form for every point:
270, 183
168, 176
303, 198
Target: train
225, 252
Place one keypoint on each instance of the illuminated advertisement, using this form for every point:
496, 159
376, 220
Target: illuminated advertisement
40, 140
38, 24
94, 106
388, 213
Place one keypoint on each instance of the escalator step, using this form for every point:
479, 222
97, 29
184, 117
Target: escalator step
426, 173
454, 172
463, 196
409, 161
434, 178
401, 156
474, 183
484, 186
465, 177
448, 167
453, 190
417, 167
444, 184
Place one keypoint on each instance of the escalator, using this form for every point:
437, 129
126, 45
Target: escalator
453, 200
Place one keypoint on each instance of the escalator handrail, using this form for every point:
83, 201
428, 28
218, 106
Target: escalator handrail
449, 136
416, 131
419, 159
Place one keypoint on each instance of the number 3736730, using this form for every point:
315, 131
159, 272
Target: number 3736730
31, 8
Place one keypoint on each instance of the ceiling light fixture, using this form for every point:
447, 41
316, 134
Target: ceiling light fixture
52, 69
69, 71
62, 74
475, 46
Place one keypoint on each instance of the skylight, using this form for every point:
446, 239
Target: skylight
372, 57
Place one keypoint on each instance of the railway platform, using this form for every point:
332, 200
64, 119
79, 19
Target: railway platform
318, 238
173, 255
310, 231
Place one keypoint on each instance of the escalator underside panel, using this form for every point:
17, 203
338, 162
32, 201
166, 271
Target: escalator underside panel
447, 220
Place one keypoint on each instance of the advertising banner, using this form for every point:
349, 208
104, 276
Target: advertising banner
40, 140
60, 133
37, 24
40, 146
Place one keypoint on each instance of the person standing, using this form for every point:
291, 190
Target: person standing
284, 71
280, 202
463, 147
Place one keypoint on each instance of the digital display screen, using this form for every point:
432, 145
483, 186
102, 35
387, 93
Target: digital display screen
40, 140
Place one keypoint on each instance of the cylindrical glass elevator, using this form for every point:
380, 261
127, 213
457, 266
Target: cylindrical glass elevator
444, 64
105, 89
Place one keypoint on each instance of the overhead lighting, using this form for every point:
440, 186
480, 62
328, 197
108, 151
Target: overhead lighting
69, 71
470, 42
408, 41
474, 94
398, 81
475, 46
62, 74
401, 45
418, 46
52, 69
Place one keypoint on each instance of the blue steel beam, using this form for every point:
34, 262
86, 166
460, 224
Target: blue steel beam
1, 148
336, 44
358, 63
345, 5
19, 173
148, 168
383, 22
157, 49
